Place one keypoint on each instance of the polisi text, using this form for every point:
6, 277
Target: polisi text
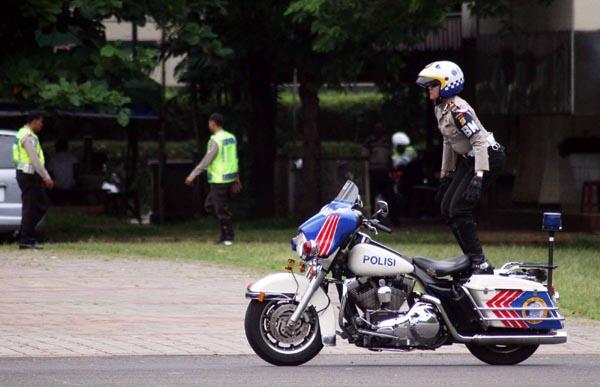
380, 261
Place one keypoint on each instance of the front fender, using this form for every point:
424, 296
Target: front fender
282, 286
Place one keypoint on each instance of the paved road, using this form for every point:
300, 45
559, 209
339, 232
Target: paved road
326, 370
96, 306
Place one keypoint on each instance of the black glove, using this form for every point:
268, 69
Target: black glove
442, 188
473, 191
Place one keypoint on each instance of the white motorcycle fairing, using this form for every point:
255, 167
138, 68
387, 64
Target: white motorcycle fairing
281, 286
366, 259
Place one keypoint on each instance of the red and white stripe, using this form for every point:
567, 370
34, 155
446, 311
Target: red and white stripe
326, 234
503, 300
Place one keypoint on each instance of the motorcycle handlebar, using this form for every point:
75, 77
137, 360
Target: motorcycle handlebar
383, 228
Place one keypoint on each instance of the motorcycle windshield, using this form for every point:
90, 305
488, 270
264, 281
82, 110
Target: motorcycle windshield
332, 225
348, 194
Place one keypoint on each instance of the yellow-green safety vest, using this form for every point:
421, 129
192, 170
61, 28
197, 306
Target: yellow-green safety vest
224, 167
20, 156
408, 151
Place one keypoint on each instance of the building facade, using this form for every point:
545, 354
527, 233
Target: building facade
537, 85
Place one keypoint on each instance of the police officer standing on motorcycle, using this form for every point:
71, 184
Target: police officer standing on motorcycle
464, 138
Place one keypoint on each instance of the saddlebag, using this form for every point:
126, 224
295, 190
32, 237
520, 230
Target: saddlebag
505, 302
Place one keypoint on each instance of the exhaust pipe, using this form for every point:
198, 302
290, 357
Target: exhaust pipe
557, 337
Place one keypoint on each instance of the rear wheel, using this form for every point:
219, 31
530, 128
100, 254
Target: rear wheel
502, 354
268, 334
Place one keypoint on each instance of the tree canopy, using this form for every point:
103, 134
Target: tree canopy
56, 55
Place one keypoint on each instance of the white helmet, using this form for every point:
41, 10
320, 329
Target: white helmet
444, 73
400, 138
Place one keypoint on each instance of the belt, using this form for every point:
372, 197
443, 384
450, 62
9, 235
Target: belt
26, 168
495, 147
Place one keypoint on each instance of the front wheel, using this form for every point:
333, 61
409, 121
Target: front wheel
502, 354
270, 337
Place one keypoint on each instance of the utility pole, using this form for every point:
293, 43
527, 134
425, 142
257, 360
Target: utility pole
162, 158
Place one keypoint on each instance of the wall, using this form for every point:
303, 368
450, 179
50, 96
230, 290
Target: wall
527, 16
585, 15
536, 72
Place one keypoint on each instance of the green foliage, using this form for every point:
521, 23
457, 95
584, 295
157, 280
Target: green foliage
495, 8
340, 102
190, 35
367, 25
498, 9
57, 57
343, 116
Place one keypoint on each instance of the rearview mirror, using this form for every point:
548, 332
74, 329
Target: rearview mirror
382, 209
358, 204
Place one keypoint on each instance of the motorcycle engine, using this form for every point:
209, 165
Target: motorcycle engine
368, 295
417, 327
381, 302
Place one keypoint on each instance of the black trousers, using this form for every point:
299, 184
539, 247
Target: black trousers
217, 203
34, 205
457, 212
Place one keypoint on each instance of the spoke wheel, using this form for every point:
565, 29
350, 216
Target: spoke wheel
269, 335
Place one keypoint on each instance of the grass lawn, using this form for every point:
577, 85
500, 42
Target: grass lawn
263, 246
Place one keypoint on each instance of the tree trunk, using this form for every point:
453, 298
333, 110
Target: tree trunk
196, 205
261, 133
311, 147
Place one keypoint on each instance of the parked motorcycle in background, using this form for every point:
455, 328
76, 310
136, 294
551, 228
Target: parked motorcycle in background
390, 301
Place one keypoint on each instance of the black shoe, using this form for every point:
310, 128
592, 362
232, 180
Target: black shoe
30, 246
482, 268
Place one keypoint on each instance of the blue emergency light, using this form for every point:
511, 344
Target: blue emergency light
551, 221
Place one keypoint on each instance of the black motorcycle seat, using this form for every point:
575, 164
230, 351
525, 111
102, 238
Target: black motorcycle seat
444, 267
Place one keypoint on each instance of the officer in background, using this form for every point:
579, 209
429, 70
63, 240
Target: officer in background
403, 153
221, 164
403, 176
480, 154
32, 177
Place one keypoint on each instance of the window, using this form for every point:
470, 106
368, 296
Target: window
6, 143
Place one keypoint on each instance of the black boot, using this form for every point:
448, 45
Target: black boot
230, 233
226, 233
467, 232
480, 265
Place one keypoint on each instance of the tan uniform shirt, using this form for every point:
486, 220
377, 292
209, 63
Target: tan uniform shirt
29, 143
463, 134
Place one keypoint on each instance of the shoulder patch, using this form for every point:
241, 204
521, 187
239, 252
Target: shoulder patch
464, 121
457, 108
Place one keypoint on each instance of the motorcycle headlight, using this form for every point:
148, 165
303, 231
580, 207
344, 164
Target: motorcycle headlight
300, 239
306, 249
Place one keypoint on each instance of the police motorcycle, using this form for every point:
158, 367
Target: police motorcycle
393, 302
